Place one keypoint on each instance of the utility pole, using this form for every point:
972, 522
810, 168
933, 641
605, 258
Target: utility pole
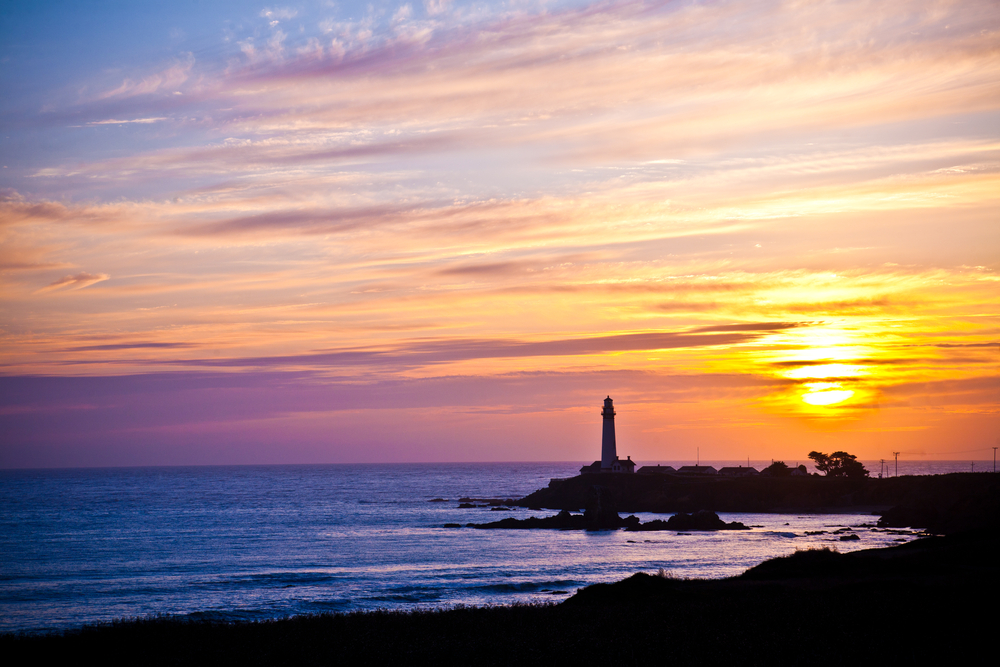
896, 454
881, 467
994, 459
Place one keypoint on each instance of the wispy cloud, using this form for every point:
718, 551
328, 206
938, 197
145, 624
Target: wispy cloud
601, 83
166, 80
75, 282
127, 346
418, 353
279, 13
140, 121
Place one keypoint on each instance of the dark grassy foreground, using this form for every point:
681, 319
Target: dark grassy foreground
934, 599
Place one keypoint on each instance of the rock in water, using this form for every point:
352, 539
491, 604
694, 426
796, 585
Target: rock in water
601, 512
701, 520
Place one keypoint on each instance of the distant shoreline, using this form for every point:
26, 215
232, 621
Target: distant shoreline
906, 468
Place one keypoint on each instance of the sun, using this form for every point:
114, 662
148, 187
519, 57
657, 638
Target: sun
826, 393
831, 369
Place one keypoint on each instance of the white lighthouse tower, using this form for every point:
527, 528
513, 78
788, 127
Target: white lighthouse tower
609, 451
609, 448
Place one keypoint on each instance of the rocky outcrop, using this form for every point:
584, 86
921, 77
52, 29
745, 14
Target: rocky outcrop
600, 514
562, 521
702, 520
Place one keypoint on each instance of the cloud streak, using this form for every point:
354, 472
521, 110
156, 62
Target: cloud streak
416, 353
141, 121
75, 282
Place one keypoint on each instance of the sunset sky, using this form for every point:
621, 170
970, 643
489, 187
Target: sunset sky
234, 232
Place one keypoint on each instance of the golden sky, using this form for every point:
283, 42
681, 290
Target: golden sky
445, 231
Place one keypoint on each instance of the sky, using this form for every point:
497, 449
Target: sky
241, 233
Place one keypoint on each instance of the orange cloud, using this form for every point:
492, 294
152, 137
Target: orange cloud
75, 282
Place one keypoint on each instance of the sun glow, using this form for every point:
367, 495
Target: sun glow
825, 371
824, 364
826, 393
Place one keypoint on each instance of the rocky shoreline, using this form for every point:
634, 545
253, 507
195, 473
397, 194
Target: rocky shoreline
703, 520
938, 503
602, 514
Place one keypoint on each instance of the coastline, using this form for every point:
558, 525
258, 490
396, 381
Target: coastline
627, 553
815, 607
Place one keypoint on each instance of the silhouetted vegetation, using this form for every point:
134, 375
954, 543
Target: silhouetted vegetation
777, 469
838, 464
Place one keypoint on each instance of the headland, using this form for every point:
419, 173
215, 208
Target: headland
939, 503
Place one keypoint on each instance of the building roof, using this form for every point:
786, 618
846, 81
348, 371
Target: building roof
656, 470
697, 470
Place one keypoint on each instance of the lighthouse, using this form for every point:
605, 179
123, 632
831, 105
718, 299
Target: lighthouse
609, 451
609, 448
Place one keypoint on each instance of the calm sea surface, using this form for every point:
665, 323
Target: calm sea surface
255, 542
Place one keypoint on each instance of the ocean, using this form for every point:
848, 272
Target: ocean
80, 546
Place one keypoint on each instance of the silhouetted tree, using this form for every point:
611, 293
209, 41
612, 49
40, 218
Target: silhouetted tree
838, 464
777, 469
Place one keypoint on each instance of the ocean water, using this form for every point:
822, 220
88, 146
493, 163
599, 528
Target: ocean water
255, 542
